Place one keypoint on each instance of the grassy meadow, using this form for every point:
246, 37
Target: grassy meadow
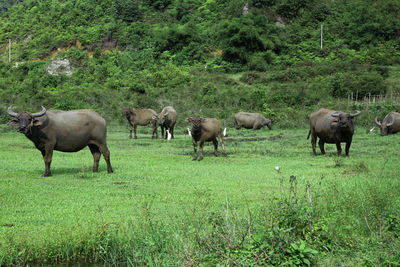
161, 208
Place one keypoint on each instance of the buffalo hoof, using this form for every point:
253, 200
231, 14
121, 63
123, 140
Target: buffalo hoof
201, 158
45, 175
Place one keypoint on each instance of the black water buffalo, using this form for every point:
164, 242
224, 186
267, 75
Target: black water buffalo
332, 127
253, 121
390, 124
167, 119
66, 131
140, 117
205, 129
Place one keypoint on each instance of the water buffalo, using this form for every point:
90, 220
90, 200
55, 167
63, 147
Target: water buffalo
332, 127
166, 119
66, 131
140, 117
253, 121
390, 124
205, 129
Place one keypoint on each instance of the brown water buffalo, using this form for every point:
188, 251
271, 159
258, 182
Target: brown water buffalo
66, 131
205, 129
140, 117
390, 124
167, 119
332, 127
253, 121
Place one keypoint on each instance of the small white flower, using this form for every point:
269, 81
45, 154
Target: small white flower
277, 168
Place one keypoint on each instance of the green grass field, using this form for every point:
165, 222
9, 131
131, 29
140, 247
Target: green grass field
160, 208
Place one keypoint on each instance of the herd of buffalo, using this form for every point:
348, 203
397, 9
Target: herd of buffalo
71, 131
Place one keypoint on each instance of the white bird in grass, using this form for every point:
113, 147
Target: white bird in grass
224, 132
371, 130
189, 132
169, 136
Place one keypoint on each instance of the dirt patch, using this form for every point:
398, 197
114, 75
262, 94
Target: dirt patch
277, 137
251, 139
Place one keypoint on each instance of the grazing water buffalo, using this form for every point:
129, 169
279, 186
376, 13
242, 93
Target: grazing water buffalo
140, 117
253, 121
167, 119
390, 124
205, 129
66, 131
332, 127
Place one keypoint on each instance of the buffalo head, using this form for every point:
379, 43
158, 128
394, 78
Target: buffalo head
384, 125
25, 120
196, 121
345, 119
268, 123
161, 118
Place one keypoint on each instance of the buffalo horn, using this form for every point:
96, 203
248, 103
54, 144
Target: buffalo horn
41, 113
355, 114
11, 112
335, 114
377, 122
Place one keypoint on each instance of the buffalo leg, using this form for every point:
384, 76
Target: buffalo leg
321, 146
348, 144
47, 154
195, 150
106, 154
314, 144
130, 130
172, 131
215, 142
154, 130
96, 156
222, 145
162, 132
339, 148
134, 130
201, 150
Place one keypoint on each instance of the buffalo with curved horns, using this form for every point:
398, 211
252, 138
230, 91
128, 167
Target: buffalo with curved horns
66, 131
253, 121
167, 120
206, 129
390, 124
332, 127
142, 117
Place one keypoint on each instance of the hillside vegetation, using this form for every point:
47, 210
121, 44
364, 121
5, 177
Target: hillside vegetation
209, 58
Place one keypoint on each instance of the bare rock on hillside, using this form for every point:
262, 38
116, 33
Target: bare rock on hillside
60, 67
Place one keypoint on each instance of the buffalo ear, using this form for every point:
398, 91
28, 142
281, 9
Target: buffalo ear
13, 122
188, 120
37, 122
155, 117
